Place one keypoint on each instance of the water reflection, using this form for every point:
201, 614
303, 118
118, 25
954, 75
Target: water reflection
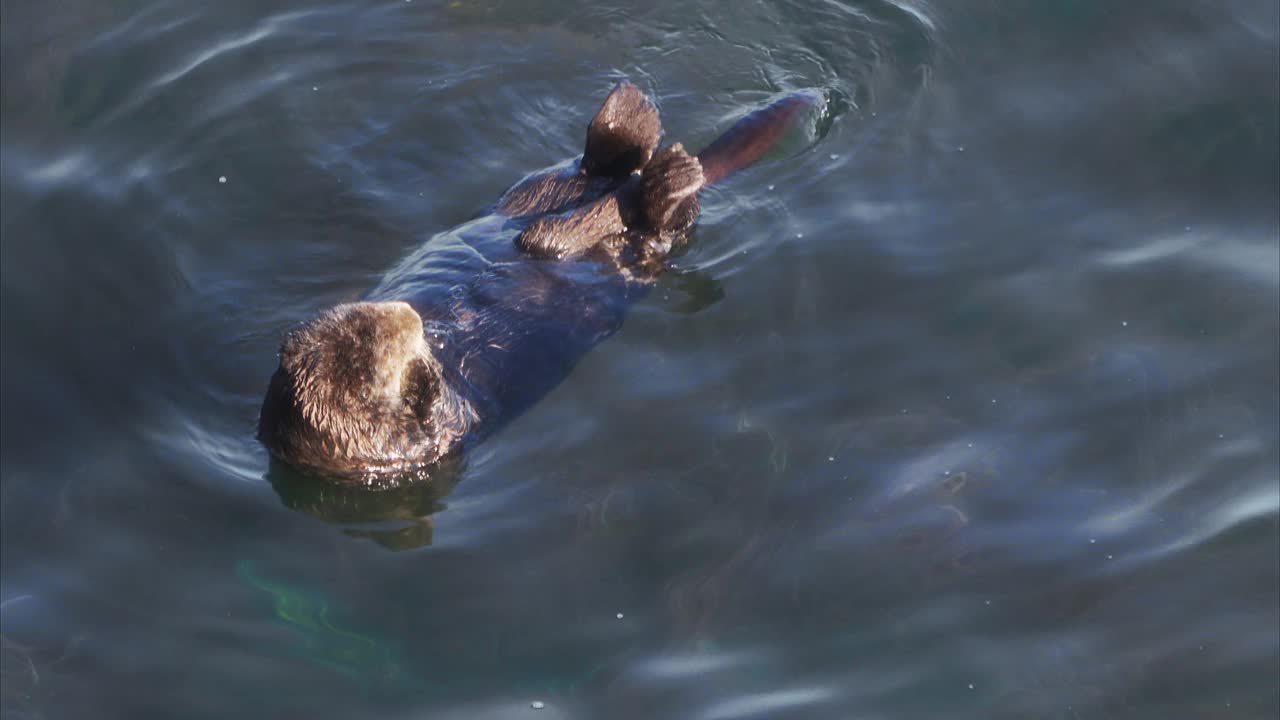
397, 519
695, 291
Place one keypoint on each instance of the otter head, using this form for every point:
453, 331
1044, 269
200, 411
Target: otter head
358, 395
623, 135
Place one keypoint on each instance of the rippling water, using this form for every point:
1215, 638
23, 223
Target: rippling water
968, 409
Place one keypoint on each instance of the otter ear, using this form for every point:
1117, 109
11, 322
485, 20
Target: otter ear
623, 134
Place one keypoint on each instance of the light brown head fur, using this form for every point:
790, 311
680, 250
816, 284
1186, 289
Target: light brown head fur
358, 395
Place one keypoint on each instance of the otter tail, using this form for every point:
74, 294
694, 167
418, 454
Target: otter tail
752, 137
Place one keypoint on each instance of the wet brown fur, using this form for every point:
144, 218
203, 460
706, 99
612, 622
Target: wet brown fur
662, 201
358, 393
621, 139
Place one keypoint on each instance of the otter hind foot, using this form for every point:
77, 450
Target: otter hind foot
670, 184
623, 135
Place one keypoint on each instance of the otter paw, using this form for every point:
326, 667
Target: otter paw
671, 182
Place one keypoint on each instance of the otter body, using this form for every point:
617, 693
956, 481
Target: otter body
515, 327
487, 318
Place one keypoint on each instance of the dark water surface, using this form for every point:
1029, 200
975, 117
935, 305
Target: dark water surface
966, 409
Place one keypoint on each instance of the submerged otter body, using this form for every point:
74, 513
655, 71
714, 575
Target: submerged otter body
487, 318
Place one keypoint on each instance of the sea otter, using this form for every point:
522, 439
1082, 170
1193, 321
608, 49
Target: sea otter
483, 320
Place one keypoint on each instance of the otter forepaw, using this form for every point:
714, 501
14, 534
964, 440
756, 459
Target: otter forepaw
671, 182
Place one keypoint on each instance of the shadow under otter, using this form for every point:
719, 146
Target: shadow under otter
487, 318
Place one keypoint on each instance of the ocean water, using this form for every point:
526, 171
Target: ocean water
964, 405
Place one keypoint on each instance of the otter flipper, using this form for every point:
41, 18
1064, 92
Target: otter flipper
660, 205
621, 138
670, 184
573, 233
550, 192
623, 135
662, 201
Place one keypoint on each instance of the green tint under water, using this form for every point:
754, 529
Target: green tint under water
356, 656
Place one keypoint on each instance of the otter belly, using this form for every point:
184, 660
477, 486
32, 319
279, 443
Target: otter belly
506, 328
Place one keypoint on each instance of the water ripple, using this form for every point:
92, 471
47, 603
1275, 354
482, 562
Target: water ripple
798, 700
266, 28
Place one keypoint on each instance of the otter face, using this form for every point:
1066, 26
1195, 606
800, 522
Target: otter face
358, 394
623, 135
